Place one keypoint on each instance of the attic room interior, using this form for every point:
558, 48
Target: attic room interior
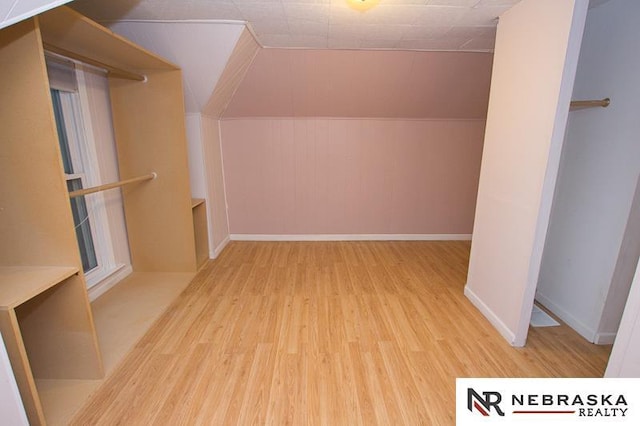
300, 212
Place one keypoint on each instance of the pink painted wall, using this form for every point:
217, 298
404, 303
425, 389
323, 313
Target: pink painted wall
347, 83
351, 176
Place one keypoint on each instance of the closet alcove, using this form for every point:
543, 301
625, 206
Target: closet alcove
593, 239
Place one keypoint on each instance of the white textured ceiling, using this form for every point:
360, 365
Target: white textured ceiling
12, 11
466, 25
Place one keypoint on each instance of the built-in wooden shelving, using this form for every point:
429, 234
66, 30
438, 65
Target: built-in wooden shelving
21, 283
45, 316
48, 329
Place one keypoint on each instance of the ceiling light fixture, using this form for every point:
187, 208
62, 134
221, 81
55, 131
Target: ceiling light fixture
362, 5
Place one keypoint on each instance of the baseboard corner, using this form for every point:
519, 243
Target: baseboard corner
218, 249
491, 316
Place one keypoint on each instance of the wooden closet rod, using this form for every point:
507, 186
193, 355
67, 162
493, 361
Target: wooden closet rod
116, 72
591, 103
118, 184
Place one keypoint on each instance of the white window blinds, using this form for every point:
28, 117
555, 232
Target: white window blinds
62, 74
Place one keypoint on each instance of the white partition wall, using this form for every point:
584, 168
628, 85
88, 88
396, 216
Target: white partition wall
537, 48
625, 356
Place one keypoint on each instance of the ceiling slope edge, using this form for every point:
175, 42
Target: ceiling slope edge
239, 63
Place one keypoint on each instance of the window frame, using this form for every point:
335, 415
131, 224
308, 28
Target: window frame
86, 166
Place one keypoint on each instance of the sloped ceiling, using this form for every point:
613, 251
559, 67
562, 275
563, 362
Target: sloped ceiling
12, 11
364, 83
201, 49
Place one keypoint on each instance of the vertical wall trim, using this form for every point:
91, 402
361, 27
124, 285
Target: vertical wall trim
208, 200
224, 181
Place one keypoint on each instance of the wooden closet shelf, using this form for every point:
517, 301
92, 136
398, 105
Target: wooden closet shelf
21, 283
195, 202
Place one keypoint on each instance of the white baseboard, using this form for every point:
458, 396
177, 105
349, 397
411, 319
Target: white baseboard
491, 316
350, 237
109, 282
580, 327
217, 250
605, 338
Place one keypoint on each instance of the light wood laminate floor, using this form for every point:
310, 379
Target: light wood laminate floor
331, 333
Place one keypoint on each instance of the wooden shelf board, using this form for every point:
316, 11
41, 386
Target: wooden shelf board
67, 29
21, 283
195, 202
122, 315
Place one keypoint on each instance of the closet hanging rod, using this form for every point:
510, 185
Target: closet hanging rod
106, 186
114, 71
591, 103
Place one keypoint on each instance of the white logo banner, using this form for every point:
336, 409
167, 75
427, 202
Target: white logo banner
547, 402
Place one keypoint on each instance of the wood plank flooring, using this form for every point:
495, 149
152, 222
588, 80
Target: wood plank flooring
327, 333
